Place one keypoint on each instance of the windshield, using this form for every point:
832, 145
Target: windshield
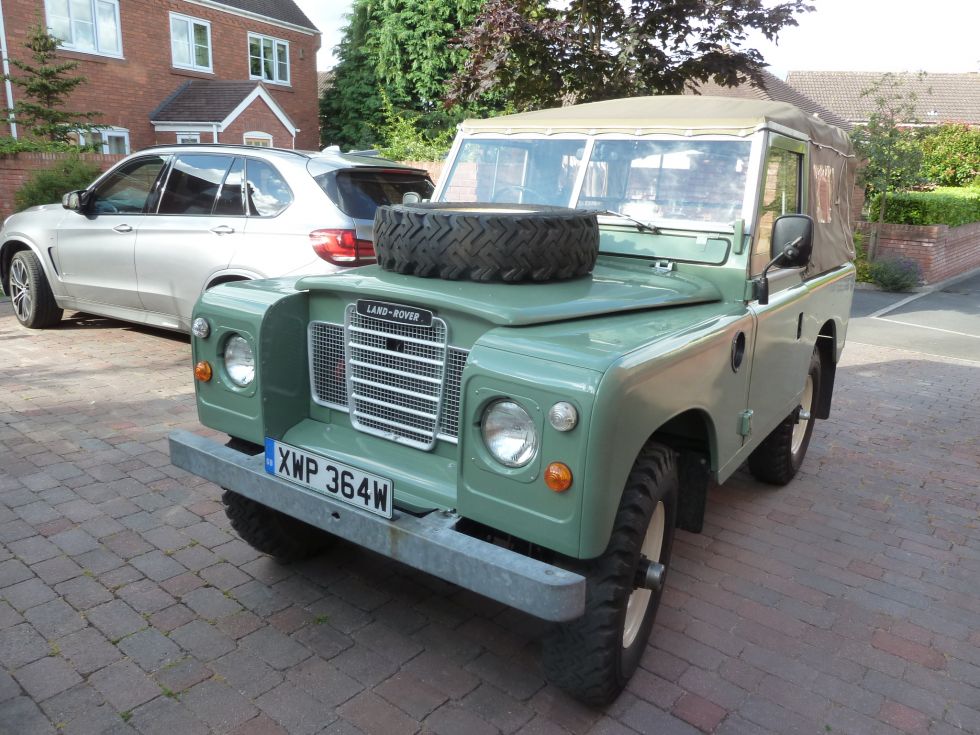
671, 182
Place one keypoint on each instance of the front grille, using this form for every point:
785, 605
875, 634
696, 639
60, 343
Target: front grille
398, 381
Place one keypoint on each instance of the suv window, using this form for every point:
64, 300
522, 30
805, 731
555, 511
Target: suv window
230, 201
266, 191
193, 183
126, 189
359, 192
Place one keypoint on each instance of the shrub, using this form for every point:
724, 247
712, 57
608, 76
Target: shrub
953, 206
951, 155
48, 185
896, 274
861, 263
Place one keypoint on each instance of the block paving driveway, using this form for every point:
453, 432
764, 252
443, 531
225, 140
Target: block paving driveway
847, 602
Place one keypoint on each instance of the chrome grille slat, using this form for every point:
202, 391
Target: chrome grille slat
398, 381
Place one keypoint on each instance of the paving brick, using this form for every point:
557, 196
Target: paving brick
441, 673
157, 566
88, 650
166, 716
275, 648
21, 715
124, 686
217, 704
176, 676
57, 569
83, 592
54, 619
170, 618
74, 542
644, 718
33, 550
13, 571
699, 712
115, 619
248, 674
331, 686
27, 594
375, 716
925, 655
46, 677
202, 640
296, 710
150, 649
21, 644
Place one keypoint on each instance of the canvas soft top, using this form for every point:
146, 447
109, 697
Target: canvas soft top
667, 114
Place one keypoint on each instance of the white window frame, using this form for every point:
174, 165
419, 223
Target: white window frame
183, 138
69, 43
256, 135
191, 22
276, 43
110, 131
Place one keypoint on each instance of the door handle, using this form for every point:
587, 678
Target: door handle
123, 228
222, 230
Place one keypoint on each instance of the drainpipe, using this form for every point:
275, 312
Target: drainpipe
214, 132
6, 72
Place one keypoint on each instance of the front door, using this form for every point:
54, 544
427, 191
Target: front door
96, 247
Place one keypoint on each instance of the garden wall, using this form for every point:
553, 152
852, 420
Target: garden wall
16, 168
941, 251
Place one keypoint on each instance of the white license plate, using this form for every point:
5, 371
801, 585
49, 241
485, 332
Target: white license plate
327, 477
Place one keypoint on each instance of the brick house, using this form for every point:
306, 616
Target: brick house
940, 98
167, 71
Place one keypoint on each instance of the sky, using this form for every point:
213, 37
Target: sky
840, 35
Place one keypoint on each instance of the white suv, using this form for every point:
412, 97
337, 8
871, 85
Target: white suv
165, 224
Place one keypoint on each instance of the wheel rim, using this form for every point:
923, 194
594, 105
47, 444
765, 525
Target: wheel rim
639, 599
20, 290
799, 431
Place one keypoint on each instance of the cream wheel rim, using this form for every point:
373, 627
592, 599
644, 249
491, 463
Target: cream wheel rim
806, 403
639, 599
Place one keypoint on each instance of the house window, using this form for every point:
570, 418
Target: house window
108, 140
91, 26
188, 138
190, 42
268, 59
254, 137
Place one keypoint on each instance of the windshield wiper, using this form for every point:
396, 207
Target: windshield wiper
640, 225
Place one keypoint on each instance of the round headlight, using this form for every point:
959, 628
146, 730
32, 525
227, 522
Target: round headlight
509, 433
239, 361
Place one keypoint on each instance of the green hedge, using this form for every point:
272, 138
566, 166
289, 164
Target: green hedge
953, 206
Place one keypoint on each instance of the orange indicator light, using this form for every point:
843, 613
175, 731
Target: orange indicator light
558, 477
202, 371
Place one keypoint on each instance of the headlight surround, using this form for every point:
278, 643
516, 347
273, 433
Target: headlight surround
509, 433
239, 360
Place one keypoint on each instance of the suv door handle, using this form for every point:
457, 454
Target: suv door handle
222, 230
123, 228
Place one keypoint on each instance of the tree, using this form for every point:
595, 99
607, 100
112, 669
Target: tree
47, 86
408, 49
602, 49
893, 157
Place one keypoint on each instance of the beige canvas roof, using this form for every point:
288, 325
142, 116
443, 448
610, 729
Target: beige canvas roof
667, 114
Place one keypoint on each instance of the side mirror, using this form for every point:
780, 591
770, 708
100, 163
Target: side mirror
75, 200
792, 239
791, 247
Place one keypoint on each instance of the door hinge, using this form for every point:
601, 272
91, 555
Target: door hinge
745, 422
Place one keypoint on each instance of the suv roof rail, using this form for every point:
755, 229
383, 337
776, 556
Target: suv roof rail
301, 154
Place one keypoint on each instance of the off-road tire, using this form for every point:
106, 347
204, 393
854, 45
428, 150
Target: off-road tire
281, 536
774, 461
588, 657
30, 292
486, 242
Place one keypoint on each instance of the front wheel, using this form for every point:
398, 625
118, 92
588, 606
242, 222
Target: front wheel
593, 657
30, 292
778, 458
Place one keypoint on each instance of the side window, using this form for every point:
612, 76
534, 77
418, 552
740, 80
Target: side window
126, 189
780, 195
193, 184
266, 192
230, 200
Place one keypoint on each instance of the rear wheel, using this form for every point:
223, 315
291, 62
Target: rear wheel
781, 454
593, 657
30, 293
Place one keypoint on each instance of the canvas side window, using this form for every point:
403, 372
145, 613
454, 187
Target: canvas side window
780, 195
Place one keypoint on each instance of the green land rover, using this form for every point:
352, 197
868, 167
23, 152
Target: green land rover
603, 308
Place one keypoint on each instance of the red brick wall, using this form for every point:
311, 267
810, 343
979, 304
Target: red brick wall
16, 169
125, 91
258, 117
941, 251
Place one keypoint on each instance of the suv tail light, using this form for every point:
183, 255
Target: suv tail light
341, 247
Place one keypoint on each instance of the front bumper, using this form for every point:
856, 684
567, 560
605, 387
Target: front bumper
430, 543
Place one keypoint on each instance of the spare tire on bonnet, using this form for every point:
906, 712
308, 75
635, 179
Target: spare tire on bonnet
486, 242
